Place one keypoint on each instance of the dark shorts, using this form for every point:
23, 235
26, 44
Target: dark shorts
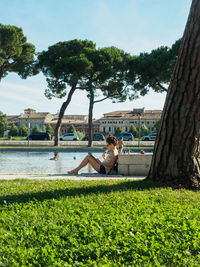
102, 170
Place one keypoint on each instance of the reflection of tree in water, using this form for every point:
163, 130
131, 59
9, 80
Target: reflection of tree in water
59, 166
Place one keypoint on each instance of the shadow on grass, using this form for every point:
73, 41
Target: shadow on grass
72, 192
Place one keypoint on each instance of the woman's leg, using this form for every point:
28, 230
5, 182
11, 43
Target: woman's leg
87, 160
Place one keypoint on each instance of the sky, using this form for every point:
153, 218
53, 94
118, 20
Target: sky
132, 25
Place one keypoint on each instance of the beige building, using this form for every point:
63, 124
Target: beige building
125, 118
32, 118
80, 123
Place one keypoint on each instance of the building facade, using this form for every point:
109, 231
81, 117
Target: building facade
80, 123
125, 118
31, 118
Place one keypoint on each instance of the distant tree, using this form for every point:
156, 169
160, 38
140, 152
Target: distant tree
71, 129
133, 130
144, 130
49, 129
65, 65
157, 126
16, 55
118, 130
23, 131
36, 129
108, 75
13, 130
3, 123
153, 70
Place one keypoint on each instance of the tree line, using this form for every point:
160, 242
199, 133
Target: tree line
104, 73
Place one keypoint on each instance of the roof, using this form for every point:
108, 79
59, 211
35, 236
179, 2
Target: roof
38, 115
130, 113
132, 118
72, 121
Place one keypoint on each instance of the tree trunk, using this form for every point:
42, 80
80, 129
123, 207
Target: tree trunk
61, 114
1, 73
91, 105
176, 160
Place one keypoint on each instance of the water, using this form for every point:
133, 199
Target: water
39, 162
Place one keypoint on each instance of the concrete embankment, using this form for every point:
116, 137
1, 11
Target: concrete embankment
34, 143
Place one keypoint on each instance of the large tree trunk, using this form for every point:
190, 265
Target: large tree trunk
61, 114
91, 105
176, 159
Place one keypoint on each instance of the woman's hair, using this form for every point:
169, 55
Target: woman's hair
111, 140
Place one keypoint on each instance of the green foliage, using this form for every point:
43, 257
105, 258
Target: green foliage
108, 68
13, 130
144, 130
133, 130
16, 55
3, 123
23, 131
49, 129
71, 129
118, 130
65, 64
157, 126
36, 129
153, 70
97, 223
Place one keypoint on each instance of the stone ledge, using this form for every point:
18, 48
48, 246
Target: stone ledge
134, 164
70, 143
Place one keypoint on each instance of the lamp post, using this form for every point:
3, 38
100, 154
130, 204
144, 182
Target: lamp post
139, 112
28, 113
28, 128
139, 133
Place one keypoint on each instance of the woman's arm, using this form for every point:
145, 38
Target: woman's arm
110, 164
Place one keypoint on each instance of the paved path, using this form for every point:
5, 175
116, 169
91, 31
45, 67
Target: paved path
67, 177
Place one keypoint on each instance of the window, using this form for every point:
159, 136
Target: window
147, 122
104, 129
109, 129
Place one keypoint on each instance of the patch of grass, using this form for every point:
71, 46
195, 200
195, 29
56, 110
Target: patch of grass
97, 223
14, 138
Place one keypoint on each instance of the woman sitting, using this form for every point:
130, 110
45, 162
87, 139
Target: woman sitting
101, 167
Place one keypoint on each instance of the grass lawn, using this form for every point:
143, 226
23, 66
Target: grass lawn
97, 223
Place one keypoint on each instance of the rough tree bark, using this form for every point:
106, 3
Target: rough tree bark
176, 159
61, 114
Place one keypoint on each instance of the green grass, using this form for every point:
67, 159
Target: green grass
97, 223
13, 138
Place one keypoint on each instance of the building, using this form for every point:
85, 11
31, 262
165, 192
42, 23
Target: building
125, 118
13, 119
80, 123
32, 118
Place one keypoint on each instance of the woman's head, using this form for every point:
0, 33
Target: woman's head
111, 140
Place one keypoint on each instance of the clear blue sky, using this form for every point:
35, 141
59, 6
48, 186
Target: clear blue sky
132, 25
